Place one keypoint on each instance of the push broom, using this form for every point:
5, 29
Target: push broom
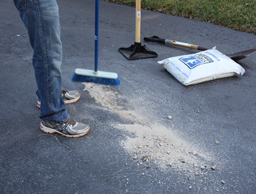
96, 76
137, 51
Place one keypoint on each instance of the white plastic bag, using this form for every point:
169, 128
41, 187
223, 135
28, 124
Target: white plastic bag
202, 66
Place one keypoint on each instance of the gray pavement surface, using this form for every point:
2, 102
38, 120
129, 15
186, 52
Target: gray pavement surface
129, 122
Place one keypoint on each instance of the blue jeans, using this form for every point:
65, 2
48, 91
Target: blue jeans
41, 18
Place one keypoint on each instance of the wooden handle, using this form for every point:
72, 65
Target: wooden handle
186, 45
138, 21
181, 44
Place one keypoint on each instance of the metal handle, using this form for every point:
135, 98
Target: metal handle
97, 2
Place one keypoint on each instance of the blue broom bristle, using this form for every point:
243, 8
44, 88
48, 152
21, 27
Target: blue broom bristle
97, 80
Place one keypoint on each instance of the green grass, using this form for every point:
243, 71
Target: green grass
238, 15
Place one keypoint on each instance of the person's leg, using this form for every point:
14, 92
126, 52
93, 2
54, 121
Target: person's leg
41, 18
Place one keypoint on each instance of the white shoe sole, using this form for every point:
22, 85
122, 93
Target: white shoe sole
53, 131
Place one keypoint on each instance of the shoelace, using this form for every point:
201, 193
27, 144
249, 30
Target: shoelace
63, 94
70, 121
63, 127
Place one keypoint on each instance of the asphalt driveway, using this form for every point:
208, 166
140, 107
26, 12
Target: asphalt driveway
208, 145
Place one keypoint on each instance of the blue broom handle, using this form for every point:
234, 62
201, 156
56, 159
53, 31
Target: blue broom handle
97, 2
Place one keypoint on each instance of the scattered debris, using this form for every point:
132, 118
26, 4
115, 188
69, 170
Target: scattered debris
223, 182
213, 167
146, 158
202, 167
217, 142
190, 187
183, 161
151, 141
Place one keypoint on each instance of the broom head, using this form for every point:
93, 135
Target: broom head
98, 77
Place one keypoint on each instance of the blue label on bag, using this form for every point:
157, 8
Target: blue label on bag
195, 60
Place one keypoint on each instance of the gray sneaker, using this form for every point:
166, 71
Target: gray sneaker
70, 128
69, 97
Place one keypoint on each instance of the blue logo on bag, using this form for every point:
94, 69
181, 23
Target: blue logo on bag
195, 60
191, 61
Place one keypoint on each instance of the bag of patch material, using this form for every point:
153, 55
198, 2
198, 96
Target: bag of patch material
201, 67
